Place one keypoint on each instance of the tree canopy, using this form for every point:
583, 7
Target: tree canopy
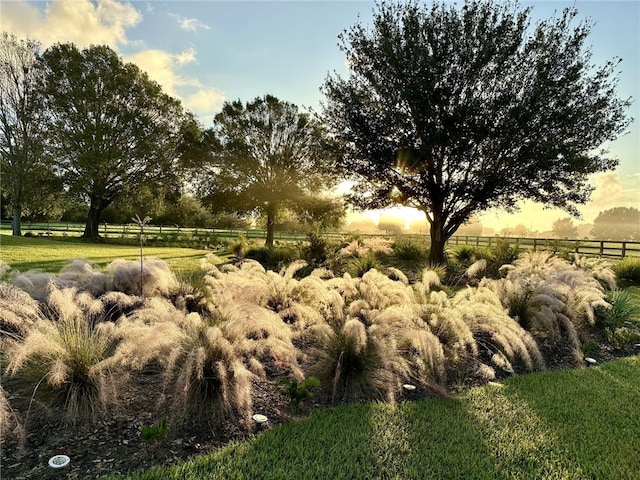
266, 156
454, 110
564, 228
112, 128
619, 223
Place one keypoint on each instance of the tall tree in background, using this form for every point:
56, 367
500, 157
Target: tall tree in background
564, 228
454, 110
267, 156
23, 162
619, 223
113, 129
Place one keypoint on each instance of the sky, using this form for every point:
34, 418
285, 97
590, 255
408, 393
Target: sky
209, 52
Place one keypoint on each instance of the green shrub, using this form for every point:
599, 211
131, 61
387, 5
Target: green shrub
499, 254
316, 251
157, 431
465, 255
273, 258
299, 391
627, 270
361, 265
408, 250
622, 310
239, 246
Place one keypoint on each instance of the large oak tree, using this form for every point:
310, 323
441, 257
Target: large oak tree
266, 155
454, 110
112, 128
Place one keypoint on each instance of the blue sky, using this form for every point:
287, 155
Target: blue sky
206, 52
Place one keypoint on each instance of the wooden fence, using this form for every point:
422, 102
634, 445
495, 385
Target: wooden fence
603, 248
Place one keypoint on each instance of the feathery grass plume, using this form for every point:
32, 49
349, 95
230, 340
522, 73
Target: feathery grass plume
118, 304
430, 278
209, 378
189, 292
380, 291
82, 275
447, 323
398, 275
416, 343
258, 334
378, 245
68, 363
477, 267
10, 422
550, 297
210, 261
18, 311
495, 331
158, 279
599, 268
360, 363
353, 249
36, 283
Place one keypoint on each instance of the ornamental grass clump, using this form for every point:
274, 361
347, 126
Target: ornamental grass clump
157, 278
495, 333
360, 363
215, 358
550, 297
66, 361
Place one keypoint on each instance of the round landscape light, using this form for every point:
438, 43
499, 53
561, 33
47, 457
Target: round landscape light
259, 419
408, 387
59, 461
591, 361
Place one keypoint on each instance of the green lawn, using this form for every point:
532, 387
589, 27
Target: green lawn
26, 253
581, 424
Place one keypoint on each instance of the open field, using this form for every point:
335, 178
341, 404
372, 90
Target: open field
166, 234
561, 425
27, 253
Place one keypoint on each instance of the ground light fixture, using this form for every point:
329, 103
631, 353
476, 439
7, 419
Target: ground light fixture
260, 419
59, 461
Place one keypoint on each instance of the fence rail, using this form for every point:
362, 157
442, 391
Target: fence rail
603, 248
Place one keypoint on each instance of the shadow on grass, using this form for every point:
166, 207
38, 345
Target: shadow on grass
593, 414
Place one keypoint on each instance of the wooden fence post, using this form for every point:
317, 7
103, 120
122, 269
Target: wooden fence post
624, 249
601, 247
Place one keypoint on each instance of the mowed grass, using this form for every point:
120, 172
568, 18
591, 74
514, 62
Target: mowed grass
580, 424
27, 253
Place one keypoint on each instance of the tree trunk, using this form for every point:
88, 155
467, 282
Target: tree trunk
16, 221
91, 231
271, 220
438, 240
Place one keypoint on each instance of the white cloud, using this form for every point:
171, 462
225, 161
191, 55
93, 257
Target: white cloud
190, 24
163, 68
79, 21
205, 101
